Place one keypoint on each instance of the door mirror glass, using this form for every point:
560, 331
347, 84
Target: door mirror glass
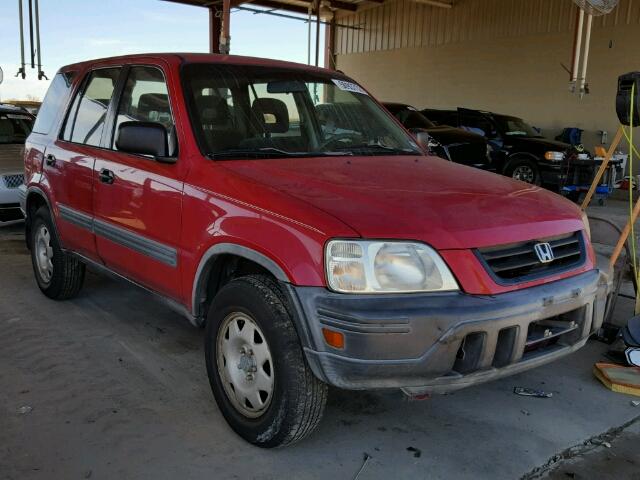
423, 139
430, 144
144, 138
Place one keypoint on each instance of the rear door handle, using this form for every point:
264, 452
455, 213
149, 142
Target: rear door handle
107, 176
50, 160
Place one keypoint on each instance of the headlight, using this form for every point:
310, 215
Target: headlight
554, 156
359, 266
585, 220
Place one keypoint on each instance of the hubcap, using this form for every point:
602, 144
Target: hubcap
524, 173
245, 365
44, 253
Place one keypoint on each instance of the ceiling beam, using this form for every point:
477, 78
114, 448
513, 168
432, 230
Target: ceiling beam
280, 6
351, 7
435, 3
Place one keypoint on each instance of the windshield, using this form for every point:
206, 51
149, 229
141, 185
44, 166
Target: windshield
14, 127
241, 112
514, 126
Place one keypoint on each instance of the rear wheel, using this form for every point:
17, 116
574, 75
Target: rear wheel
58, 274
256, 367
524, 170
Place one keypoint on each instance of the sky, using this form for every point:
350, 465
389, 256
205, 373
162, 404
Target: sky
76, 30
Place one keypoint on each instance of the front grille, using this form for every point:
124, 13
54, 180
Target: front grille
13, 181
519, 262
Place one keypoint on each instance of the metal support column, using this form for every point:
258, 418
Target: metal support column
215, 29
317, 32
225, 35
330, 44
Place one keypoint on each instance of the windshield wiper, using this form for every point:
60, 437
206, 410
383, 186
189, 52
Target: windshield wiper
377, 146
267, 152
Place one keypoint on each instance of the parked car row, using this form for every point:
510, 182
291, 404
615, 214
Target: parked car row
513, 147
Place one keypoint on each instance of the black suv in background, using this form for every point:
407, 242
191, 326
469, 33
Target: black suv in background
453, 144
518, 150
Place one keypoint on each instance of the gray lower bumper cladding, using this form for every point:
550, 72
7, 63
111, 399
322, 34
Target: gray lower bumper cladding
434, 343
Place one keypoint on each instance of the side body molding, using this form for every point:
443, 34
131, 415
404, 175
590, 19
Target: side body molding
206, 262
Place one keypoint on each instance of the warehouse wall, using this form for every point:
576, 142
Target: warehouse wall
500, 55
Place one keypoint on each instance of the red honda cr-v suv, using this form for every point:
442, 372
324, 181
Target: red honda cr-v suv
283, 208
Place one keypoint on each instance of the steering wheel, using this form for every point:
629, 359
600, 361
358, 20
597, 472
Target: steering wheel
339, 138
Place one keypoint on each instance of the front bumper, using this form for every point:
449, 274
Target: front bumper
434, 343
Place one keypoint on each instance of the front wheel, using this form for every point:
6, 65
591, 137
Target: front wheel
524, 170
256, 367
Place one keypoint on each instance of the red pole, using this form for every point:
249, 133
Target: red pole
214, 30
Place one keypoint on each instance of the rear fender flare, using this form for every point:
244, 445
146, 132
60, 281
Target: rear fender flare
32, 193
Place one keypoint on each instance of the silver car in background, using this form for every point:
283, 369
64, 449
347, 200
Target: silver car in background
15, 126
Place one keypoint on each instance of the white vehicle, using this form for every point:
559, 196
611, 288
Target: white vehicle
15, 126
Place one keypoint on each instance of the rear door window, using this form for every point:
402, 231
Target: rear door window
53, 102
86, 118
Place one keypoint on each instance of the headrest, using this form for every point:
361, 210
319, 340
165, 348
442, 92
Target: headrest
271, 114
214, 111
152, 106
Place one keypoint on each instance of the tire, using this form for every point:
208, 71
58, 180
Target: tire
59, 275
524, 170
292, 407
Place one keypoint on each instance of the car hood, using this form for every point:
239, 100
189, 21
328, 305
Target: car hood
537, 144
448, 135
444, 204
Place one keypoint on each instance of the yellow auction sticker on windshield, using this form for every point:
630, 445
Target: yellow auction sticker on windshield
349, 86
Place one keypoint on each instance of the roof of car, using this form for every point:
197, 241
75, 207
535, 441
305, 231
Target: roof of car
186, 57
8, 108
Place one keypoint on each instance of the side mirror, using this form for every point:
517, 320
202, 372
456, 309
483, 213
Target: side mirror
425, 140
144, 138
430, 144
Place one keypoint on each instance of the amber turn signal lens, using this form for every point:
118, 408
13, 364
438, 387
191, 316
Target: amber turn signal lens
334, 339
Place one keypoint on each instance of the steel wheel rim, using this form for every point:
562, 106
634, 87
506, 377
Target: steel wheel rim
44, 253
245, 365
524, 173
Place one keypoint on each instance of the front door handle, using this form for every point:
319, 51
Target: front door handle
107, 176
50, 160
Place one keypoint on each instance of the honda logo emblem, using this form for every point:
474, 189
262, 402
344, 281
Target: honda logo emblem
544, 252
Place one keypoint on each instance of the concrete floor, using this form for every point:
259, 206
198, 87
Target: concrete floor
113, 385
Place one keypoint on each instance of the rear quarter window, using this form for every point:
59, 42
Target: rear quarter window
53, 102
